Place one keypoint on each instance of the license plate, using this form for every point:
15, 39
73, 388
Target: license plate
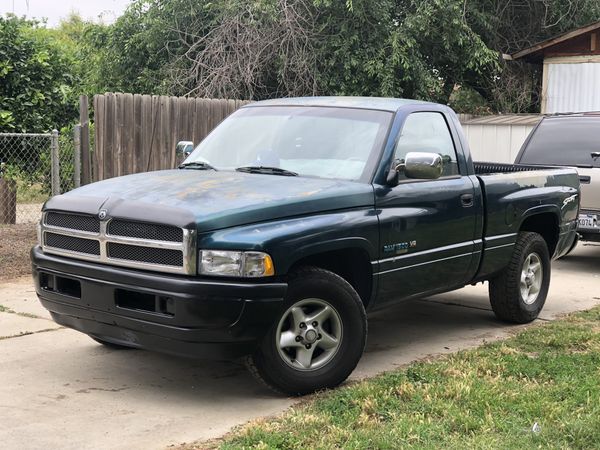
588, 221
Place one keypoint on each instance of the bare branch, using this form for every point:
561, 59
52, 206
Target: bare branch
254, 52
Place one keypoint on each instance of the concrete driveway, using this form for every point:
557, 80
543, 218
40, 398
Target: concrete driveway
59, 389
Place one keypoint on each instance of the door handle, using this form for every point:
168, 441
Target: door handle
466, 200
585, 179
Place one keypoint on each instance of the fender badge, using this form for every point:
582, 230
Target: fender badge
570, 199
102, 214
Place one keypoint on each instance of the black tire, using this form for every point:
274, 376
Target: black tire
272, 366
506, 297
110, 345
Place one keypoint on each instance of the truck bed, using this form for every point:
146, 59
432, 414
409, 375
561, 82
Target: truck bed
512, 192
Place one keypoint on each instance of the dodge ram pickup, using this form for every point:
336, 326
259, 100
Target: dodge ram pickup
291, 221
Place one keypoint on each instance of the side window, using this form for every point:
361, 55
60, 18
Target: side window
428, 132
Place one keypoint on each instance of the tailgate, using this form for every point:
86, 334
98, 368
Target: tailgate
590, 188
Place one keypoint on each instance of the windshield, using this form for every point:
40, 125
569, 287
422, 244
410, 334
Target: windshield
568, 141
339, 143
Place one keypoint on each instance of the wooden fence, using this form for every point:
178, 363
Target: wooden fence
138, 133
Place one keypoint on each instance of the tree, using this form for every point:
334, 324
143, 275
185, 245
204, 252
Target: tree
270, 48
416, 49
138, 52
36, 80
438, 50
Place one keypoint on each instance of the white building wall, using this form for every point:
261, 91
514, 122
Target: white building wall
571, 84
496, 143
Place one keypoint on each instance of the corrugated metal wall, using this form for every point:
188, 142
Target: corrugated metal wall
572, 87
496, 143
498, 138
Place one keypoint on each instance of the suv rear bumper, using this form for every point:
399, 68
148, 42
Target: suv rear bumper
167, 313
589, 234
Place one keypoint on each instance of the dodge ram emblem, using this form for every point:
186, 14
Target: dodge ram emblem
102, 214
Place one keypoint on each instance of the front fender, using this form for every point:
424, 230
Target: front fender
289, 240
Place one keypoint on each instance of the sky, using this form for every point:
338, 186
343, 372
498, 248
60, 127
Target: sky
54, 10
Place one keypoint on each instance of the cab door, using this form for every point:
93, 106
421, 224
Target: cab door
427, 227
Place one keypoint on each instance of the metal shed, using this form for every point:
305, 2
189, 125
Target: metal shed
571, 70
498, 138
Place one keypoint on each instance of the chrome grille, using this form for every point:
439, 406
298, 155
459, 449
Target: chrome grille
141, 230
161, 256
120, 242
72, 244
81, 222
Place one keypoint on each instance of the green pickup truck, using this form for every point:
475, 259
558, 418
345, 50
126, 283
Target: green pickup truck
289, 223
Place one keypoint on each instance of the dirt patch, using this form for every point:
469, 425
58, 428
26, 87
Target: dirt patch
15, 243
29, 212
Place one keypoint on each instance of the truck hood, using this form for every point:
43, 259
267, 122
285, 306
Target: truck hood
211, 200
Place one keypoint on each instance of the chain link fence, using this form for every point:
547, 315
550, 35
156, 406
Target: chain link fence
32, 168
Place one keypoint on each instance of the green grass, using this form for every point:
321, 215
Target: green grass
30, 193
489, 397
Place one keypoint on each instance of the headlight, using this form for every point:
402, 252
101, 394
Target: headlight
235, 264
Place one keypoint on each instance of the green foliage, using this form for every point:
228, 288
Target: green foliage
405, 48
36, 79
31, 174
424, 49
137, 53
66, 146
31, 187
415, 49
469, 101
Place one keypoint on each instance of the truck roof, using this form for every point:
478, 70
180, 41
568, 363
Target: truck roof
379, 103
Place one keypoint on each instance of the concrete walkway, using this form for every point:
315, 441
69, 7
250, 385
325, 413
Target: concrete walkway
62, 390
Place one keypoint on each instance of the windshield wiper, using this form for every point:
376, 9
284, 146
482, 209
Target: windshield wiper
199, 165
267, 170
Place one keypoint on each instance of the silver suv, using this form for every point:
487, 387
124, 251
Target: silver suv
571, 140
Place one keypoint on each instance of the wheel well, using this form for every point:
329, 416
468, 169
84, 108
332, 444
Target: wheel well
352, 264
545, 224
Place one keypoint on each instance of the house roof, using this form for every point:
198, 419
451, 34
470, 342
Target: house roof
505, 119
522, 119
535, 49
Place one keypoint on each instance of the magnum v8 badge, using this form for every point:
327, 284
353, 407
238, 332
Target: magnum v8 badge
400, 247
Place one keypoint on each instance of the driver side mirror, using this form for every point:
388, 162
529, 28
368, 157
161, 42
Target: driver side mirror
183, 149
417, 165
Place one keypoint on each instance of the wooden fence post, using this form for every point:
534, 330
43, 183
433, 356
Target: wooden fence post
84, 120
77, 155
8, 198
55, 163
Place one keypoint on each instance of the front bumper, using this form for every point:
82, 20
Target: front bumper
167, 313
